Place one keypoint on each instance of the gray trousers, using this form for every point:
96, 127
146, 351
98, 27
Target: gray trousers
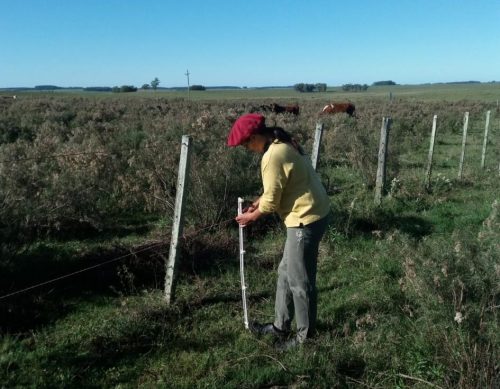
296, 292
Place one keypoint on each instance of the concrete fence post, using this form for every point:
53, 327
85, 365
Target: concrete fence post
382, 156
485, 141
180, 197
464, 142
318, 134
431, 154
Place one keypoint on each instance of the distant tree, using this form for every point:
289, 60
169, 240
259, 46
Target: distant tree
47, 87
197, 87
302, 87
380, 83
155, 83
124, 89
320, 87
299, 87
97, 89
354, 87
145, 86
128, 88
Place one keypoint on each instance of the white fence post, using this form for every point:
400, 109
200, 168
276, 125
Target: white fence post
486, 127
317, 142
464, 141
178, 221
382, 155
431, 153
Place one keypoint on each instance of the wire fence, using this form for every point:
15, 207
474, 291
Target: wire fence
185, 237
477, 142
149, 247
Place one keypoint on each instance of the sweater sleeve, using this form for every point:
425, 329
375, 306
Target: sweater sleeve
274, 179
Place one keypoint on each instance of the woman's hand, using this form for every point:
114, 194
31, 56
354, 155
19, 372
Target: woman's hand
248, 217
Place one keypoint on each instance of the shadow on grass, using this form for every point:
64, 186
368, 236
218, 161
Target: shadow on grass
414, 226
116, 227
156, 332
352, 366
234, 298
110, 273
66, 284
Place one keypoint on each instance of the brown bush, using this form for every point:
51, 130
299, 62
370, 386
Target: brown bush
69, 162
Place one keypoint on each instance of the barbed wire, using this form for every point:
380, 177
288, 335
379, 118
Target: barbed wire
78, 271
213, 225
121, 257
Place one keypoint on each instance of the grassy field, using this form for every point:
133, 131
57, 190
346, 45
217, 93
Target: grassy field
408, 291
432, 92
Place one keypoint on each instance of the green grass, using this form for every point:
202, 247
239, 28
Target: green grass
433, 92
386, 310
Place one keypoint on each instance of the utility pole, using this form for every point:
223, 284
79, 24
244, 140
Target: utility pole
187, 75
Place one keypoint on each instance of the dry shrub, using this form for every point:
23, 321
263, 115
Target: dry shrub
355, 142
452, 290
120, 156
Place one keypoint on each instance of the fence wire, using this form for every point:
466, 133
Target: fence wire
151, 246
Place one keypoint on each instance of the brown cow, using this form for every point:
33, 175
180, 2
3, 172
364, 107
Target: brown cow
276, 108
290, 108
333, 108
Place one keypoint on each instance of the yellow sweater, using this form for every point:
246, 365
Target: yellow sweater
291, 187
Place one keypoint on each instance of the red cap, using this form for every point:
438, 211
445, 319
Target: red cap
244, 127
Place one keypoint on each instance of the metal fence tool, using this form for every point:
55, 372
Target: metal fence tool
242, 266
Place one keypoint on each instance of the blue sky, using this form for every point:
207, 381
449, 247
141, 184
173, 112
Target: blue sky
247, 42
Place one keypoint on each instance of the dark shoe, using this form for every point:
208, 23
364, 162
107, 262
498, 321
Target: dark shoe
267, 329
286, 345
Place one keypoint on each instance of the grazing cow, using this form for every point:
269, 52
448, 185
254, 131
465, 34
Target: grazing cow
292, 108
276, 108
333, 108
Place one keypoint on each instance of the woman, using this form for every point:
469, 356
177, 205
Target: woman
293, 190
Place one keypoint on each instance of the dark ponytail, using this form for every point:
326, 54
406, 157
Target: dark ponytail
278, 133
